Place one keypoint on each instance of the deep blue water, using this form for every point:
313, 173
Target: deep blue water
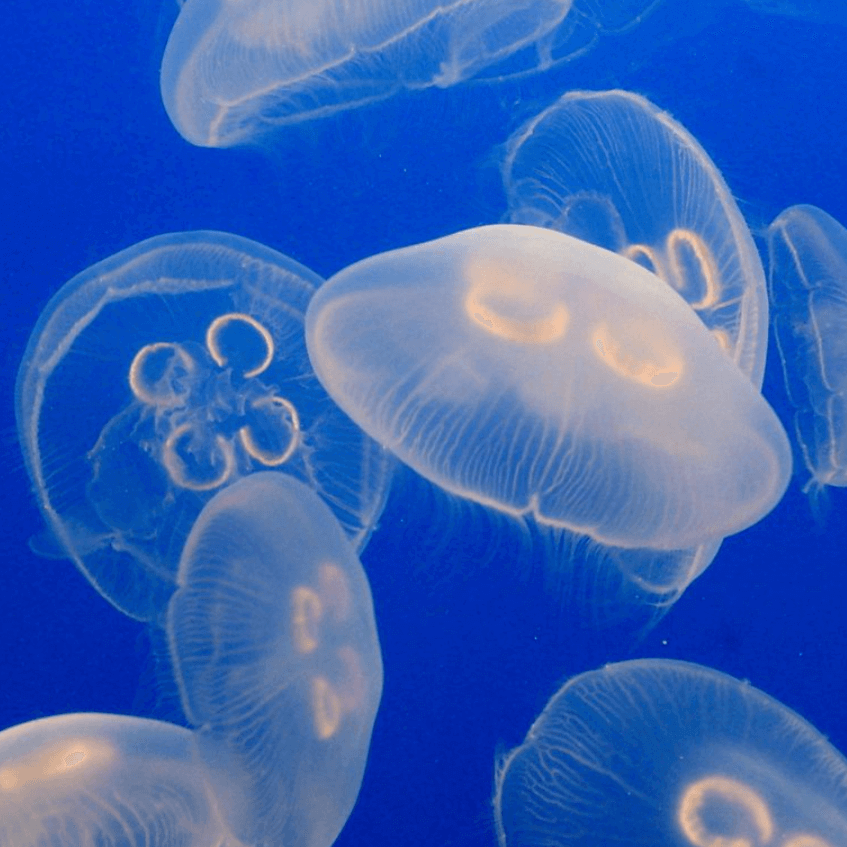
473, 643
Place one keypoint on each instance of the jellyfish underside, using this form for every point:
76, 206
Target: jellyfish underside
313, 61
200, 377
233, 72
665, 752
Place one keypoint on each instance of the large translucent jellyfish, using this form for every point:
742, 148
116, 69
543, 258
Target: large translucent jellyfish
611, 168
88, 779
277, 660
535, 373
808, 276
670, 753
163, 374
234, 70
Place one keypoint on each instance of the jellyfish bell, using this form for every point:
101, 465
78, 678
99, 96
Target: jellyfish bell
276, 656
178, 364
82, 778
233, 68
540, 375
670, 753
808, 281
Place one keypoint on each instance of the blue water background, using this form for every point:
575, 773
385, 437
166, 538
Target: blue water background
474, 644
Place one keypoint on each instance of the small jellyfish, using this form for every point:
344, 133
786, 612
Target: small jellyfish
277, 660
808, 280
611, 168
535, 373
163, 374
87, 779
669, 753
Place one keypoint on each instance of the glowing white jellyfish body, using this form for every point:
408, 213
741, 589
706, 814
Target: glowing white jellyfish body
276, 655
537, 374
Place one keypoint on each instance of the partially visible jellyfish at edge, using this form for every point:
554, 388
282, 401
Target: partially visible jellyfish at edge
808, 282
541, 376
233, 71
83, 778
161, 375
276, 655
670, 754
611, 168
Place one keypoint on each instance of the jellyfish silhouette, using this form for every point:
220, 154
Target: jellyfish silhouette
670, 753
235, 70
802, 10
808, 279
105, 779
161, 375
535, 373
613, 169
276, 656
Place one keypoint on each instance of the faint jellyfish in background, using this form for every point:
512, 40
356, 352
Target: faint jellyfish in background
670, 753
815, 11
611, 168
542, 376
808, 280
105, 779
235, 70
163, 374
277, 660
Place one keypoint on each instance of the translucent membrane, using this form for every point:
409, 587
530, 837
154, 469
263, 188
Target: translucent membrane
808, 275
88, 779
160, 376
277, 659
233, 69
670, 753
538, 374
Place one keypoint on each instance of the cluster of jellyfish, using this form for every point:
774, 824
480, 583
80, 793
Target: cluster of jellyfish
593, 365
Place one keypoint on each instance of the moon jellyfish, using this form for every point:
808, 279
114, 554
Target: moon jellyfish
535, 373
103, 779
277, 660
163, 374
808, 276
613, 169
669, 753
233, 69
